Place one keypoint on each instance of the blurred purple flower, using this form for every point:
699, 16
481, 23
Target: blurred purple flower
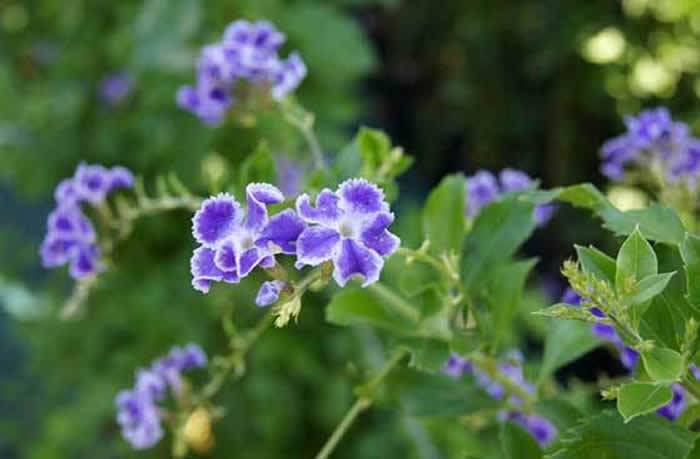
269, 293
248, 51
115, 88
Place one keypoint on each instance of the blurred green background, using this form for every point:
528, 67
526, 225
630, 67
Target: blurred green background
536, 85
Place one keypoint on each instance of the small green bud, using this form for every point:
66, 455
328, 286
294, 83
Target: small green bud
287, 311
611, 393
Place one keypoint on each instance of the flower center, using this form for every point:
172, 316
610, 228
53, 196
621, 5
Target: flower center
346, 230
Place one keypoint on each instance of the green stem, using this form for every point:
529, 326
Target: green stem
236, 358
395, 302
304, 122
363, 402
692, 386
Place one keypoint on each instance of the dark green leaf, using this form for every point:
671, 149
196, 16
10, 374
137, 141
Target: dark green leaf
650, 286
517, 443
596, 263
497, 233
658, 223
439, 395
443, 216
360, 306
566, 341
607, 436
690, 251
426, 354
636, 259
663, 364
636, 399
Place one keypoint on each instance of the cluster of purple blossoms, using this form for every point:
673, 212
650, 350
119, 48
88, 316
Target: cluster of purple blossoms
115, 88
348, 227
138, 413
653, 141
483, 188
541, 429
247, 52
605, 332
70, 236
629, 357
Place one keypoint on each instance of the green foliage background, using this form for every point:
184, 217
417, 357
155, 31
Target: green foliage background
465, 85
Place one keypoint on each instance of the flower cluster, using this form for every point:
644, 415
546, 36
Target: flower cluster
138, 414
70, 237
247, 52
628, 356
348, 227
483, 188
541, 429
655, 142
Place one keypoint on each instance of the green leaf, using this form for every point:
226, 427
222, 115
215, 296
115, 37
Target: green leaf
663, 364
607, 436
501, 295
424, 394
664, 320
426, 354
418, 278
362, 307
690, 251
257, 167
517, 443
636, 259
443, 216
650, 286
596, 263
498, 231
658, 223
636, 399
566, 341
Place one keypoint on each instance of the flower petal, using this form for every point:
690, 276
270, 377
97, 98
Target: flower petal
203, 269
86, 262
269, 293
258, 196
326, 209
354, 259
316, 245
361, 196
378, 238
249, 260
216, 219
282, 230
225, 258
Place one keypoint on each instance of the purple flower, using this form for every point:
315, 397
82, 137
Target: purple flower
137, 410
233, 243
349, 227
676, 406
456, 366
571, 297
540, 428
653, 140
248, 51
269, 292
70, 236
483, 188
290, 176
115, 88
138, 417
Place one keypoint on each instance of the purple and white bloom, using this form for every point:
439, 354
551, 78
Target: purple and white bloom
115, 88
656, 142
70, 236
348, 227
234, 242
249, 51
138, 414
483, 188
269, 292
138, 417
